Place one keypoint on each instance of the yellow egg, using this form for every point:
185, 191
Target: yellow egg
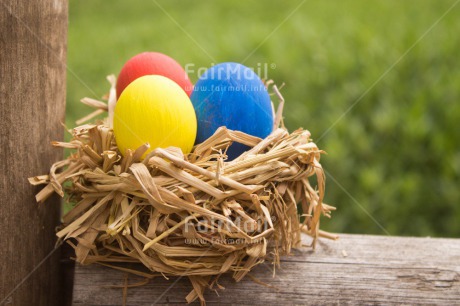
155, 110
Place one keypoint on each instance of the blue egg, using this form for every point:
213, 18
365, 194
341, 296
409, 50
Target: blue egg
232, 95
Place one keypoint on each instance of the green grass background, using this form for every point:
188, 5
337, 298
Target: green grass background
393, 159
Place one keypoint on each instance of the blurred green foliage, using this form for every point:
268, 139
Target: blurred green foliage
377, 83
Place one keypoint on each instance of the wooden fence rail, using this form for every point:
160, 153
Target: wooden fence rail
354, 269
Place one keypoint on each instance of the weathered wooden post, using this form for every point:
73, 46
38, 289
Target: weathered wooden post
33, 37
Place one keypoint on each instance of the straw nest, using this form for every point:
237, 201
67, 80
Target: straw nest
193, 215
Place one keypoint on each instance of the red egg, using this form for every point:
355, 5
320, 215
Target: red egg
147, 63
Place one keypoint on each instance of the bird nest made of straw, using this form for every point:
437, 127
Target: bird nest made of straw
194, 215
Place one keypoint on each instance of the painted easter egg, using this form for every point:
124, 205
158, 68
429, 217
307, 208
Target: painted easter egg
232, 95
155, 110
148, 63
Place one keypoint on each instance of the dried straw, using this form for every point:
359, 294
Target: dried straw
197, 215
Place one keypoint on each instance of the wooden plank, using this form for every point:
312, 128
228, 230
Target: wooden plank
355, 268
32, 104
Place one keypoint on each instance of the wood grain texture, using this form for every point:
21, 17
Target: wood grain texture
353, 269
32, 104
